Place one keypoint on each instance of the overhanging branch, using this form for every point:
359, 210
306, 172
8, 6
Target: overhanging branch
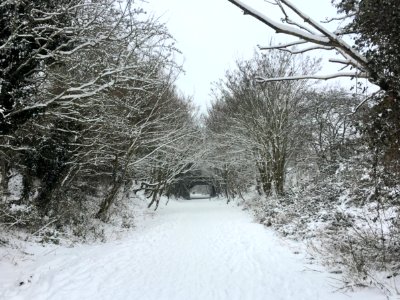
315, 77
323, 39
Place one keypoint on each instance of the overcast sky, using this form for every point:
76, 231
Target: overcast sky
212, 34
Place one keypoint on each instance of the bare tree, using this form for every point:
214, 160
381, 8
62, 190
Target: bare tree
264, 113
176, 147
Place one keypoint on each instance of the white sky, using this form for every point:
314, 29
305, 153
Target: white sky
212, 34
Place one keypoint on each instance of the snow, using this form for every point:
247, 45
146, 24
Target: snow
197, 249
15, 186
199, 196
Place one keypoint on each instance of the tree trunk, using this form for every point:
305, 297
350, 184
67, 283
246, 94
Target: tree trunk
258, 185
106, 204
52, 183
153, 198
5, 167
264, 170
279, 175
158, 197
117, 183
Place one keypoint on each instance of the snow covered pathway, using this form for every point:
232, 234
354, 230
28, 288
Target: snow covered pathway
196, 249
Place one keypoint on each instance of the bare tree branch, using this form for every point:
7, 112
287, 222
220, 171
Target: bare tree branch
322, 38
316, 77
281, 46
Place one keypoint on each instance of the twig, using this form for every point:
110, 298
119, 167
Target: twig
44, 227
363, 102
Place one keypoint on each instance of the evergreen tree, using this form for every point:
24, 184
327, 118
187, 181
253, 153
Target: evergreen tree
376, 24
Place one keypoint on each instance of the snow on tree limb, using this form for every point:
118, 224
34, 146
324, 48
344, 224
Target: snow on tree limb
322, 39
316, 77
278, 27
281, 46
297, 51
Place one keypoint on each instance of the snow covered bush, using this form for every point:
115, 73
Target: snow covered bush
14, 216
341, 197
365, 244
350, 223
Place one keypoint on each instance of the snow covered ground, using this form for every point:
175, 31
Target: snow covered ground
197, 249
199, 196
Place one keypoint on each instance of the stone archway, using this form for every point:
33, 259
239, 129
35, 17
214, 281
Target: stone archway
201, 189
189, 180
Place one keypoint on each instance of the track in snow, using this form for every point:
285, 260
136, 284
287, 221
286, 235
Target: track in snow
197, 249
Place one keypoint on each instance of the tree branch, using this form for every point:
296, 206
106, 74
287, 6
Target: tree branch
316, 77
326, 40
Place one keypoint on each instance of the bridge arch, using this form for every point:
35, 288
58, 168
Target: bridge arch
187, 181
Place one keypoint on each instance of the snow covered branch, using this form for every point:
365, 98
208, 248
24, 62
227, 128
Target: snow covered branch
320, 37
316, 77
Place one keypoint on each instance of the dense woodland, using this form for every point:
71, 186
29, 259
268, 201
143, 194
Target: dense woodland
90, 116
